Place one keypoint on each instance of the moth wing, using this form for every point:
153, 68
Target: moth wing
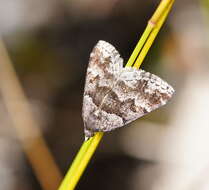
115, 96
104, 67
135, 94
103, 70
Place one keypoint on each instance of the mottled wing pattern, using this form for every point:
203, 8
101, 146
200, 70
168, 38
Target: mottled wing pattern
135, 94
103, 70
114, 96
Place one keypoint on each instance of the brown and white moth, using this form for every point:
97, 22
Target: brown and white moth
115, 95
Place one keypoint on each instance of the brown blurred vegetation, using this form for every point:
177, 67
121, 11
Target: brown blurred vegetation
49, 43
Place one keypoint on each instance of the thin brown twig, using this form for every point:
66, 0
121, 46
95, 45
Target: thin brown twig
26, 127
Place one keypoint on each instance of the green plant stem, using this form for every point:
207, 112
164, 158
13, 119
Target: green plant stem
139, 45
152, 37
161, 9
65, 183
85, 160
88, 147
153, 22
80, 162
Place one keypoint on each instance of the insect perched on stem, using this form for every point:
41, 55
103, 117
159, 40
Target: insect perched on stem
115, 95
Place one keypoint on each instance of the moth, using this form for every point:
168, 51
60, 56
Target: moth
115, 95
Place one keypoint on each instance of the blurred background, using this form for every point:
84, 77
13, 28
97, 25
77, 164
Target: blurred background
49, 43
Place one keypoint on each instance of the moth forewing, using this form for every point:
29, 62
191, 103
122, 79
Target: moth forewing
115, 96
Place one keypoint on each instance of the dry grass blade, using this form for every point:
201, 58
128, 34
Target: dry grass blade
27, 130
